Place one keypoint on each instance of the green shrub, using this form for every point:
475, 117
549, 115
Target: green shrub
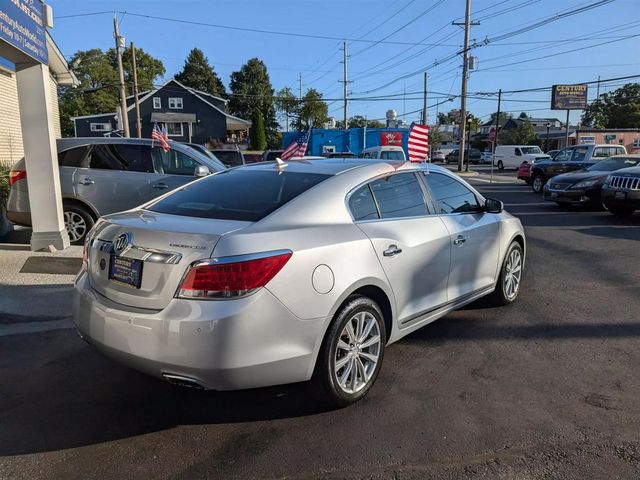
4, 184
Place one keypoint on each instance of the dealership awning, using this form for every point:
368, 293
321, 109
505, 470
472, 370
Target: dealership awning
174, 117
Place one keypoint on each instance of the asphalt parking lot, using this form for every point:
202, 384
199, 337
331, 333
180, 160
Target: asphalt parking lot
545, 388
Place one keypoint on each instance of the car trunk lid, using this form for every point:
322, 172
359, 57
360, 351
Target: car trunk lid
138, 258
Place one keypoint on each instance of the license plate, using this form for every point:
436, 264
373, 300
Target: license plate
125, 271
620, 196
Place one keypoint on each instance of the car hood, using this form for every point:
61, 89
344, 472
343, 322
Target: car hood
579, 176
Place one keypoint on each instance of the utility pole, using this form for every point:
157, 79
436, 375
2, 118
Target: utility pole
598, 92
135, 91
425, 117
300, 87
465, 74
123, 92
495, 140
345, 81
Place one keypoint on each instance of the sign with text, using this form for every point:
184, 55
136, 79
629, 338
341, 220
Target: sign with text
569, 97
391, 138
22, 25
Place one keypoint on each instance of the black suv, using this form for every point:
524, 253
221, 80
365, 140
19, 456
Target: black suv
570, 159
474, 156
621, 191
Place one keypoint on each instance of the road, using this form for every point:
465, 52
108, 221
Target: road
545, 388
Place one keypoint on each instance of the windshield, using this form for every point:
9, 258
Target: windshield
614, 163
209, 159
530, 150
242, 194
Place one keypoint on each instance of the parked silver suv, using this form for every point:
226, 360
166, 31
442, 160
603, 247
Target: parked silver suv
99, 176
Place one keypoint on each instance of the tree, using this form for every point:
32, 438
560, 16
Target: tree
523, 115
286, 104
99, 80
617, 109
435, 137
257, 137
251, 90
199, 74
503, 117
450, 118
525, 134
358, 121
312, 111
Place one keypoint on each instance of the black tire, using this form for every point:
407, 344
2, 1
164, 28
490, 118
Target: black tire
620, 211
325, 377
499, 297
537, 183
500, 165
528, 181
78, 233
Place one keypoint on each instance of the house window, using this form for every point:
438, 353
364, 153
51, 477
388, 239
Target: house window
175, 103
100, 127
174, 129
157, 102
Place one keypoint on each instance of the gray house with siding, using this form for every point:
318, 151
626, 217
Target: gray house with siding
189, 115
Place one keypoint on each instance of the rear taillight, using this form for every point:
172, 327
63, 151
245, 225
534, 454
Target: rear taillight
16, 175
232, 278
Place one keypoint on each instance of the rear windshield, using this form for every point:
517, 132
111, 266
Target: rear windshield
246, 195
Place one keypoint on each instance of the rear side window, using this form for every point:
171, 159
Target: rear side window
450, 195
362, 204
399, 196
245, 195
74, 157
132, 158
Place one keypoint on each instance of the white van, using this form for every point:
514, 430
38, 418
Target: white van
386, 152
512, 156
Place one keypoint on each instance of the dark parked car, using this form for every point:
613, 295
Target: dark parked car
621, 191
570, 159
474, 155
271, 155
230, 158
99, 176
584, 187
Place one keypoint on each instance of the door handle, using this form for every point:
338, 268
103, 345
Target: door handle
161, 186
392, 251
87, 181
460, 240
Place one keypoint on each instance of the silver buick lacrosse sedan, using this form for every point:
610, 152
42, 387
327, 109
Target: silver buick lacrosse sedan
285, 272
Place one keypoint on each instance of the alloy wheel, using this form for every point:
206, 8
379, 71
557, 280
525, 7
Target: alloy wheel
537, 184
513, 272
75, 225
357, 352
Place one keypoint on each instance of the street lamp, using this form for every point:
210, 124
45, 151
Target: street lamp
468, 143
546, 143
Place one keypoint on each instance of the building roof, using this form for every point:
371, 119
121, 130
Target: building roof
58, 65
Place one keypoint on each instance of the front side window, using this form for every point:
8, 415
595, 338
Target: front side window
362, 204
450, 195
112, 156
174, 129
579, 154
157, 102
242, 194
175, 103
173, 162
399, 196
518, 152
563, 155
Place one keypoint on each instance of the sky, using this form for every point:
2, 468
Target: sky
390, 44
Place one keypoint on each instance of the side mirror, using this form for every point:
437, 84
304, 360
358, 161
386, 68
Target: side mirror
201, 171
492, 205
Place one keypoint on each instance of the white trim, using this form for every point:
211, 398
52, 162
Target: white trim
113, 114
154, 103
177, 101
195, 92
174, 123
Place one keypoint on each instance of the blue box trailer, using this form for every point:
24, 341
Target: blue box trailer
352, 140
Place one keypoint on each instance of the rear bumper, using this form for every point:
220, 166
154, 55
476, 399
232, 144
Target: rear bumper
20, 218
221, 345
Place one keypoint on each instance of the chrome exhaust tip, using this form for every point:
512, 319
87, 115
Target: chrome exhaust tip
182, 381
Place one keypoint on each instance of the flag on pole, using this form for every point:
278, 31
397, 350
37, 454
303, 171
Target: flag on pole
418, 144
161, 136
297, 147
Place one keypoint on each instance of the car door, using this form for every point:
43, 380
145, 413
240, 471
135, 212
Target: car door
560, 163
116, 178
411, 243
580, 159
474, 236
172, 169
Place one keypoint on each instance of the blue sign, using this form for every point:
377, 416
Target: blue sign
22, 25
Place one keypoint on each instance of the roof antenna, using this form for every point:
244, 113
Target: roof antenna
281, 164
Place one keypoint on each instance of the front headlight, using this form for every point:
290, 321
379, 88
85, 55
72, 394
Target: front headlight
586, 183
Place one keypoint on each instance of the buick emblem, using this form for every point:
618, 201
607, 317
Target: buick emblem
122, 242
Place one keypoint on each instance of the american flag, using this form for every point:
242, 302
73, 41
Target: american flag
161, 136
297, 148
418, 143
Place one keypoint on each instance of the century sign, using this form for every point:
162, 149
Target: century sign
22, 25
569, 97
